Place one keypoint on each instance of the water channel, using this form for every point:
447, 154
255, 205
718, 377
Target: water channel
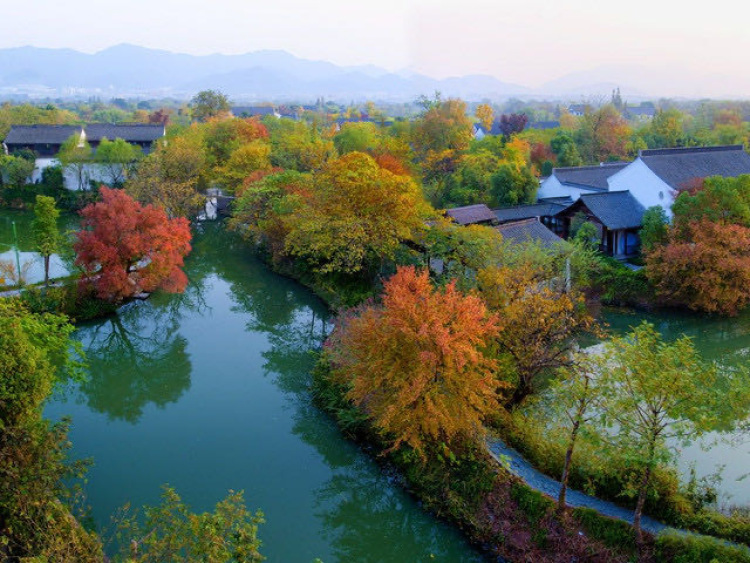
208, 391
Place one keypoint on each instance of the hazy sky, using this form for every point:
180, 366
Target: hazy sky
522, 41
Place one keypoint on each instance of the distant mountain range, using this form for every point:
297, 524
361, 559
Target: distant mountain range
128, 70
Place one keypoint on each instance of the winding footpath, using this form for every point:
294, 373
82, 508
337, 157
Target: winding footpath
514, 462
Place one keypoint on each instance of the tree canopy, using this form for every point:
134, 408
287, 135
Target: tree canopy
126, 248
417, 364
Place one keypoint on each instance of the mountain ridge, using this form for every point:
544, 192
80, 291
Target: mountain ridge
129, 70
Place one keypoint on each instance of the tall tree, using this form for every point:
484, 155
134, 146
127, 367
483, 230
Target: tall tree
655, 228
576, 393
75, 155
126, 248
444, 126
539, 322
658, 391
704, 265
485, 115
603, 135
46, 233
356, 216
36, 353
513, 185
170, 176
14, 170
209, 103
417, 364
512, 123
116, 157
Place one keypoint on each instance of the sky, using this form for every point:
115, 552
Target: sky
526, 42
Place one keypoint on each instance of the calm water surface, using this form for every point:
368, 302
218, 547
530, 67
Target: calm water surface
208, 391
726, 340
32, 264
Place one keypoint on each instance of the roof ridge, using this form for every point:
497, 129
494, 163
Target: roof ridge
590, 166
517, 222
686, 150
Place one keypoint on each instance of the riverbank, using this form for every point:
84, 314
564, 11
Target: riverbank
496, 509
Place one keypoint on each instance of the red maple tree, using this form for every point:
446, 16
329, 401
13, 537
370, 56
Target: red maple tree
126, 248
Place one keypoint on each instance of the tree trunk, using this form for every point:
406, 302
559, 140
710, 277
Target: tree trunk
46, 270
642, 498
566, 468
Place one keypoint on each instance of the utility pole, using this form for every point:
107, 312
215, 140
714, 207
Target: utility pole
15, 247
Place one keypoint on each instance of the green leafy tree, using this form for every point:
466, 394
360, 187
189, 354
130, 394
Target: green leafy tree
513, 185
362, 137
717, 199
565, 148
576, 393
36, 353
116, 158
75, 155
659, 391
356, 216
46, 233
15, 170
171, 532
603, 135
587, 235
170, 177
655, 228
208, 103
443, 126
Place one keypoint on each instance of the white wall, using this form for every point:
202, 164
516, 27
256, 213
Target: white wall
552, 187
95, 172
647, 188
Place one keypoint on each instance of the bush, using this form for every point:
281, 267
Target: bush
619, 285
734, 528
613, 533
532, 503
679, 548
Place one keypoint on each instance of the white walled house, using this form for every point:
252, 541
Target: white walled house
46, 140
655, 177
574, 181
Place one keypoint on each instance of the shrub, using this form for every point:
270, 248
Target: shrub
613, 533
688, 548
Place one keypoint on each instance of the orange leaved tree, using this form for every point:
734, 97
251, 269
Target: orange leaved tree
126, 248
705, 265
416, 364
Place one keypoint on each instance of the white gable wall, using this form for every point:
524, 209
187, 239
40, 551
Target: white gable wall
645, 186
552, 187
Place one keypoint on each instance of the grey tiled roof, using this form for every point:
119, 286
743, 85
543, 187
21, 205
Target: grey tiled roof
494, 130
470, 214
528, 230
40, 134
677, 167
648, 111
615, 210
251, 111
131, 132
590, 177
543, 125
58, 134
541, 209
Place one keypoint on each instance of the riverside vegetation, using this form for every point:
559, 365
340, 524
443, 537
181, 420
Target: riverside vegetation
345, 212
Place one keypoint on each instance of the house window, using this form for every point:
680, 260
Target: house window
661, 195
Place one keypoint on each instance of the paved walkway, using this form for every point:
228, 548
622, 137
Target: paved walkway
537, 480
516, 464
